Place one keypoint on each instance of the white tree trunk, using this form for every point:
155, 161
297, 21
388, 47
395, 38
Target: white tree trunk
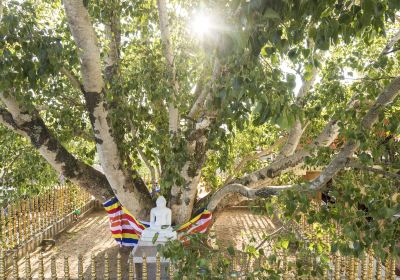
135, 198
173, 113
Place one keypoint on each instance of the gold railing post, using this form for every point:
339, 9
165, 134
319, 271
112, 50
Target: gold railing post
364, 267
24, 220
356, 267
336, 261
144, 268
378, 273
53, 206
41, 267
15, 220
10, 227
15, 271
53, 268
2, 266
46, 209
370, 264
41, 212
106, 267
19, 221
3, 229
37, 214
28, 271
158, 267
93, 267
131, 275
80, 267
119, 270
392, 269
30, 217
66, 268
350, 269
171, 271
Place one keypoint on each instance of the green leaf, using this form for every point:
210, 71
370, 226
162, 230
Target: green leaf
285, 244
155, 237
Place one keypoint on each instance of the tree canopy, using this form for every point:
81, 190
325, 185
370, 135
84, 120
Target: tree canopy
239, 96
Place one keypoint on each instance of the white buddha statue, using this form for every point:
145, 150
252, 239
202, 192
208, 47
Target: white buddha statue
160, 223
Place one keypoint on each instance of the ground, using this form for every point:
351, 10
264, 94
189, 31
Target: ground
91, 235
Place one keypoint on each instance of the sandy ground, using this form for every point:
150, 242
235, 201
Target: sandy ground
91, 235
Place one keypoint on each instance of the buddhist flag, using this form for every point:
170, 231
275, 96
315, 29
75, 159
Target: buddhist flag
126, 229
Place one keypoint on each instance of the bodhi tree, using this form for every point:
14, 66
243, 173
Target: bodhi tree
175, 84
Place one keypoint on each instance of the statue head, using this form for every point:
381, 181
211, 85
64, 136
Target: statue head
161, 202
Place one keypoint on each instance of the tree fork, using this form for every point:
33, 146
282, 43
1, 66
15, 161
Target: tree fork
58, 157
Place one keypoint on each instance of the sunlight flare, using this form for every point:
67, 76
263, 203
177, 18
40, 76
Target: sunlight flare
201, 25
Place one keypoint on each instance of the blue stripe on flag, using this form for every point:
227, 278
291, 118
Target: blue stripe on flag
110, 202
127, 240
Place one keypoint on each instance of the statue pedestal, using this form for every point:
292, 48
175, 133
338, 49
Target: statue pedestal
164, 235
148, 249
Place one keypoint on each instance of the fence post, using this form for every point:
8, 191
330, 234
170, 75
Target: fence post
106, 267
370, 264
41, 267
364, 267
131, 275
2, 266
15, 222
392, 271
144, 268
93, 264
336, 261
36, 209
171, 271
3, 229
66, 268
24, 221
15, 270
158, 267
80, 267
28, 271
119, 270
378, 273
53, 268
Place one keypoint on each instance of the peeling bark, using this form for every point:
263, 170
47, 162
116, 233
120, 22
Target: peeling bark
183, 197
32, 127
244, 191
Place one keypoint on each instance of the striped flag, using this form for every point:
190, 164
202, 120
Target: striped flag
126, 230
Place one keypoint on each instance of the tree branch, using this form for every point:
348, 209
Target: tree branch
31, 126
341, 159
391, 43
113, 37
297, 130
73, 79
244, 191
255, 156
199, 103
173, 113
357, 165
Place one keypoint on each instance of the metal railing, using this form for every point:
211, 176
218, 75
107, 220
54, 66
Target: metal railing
25, 223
